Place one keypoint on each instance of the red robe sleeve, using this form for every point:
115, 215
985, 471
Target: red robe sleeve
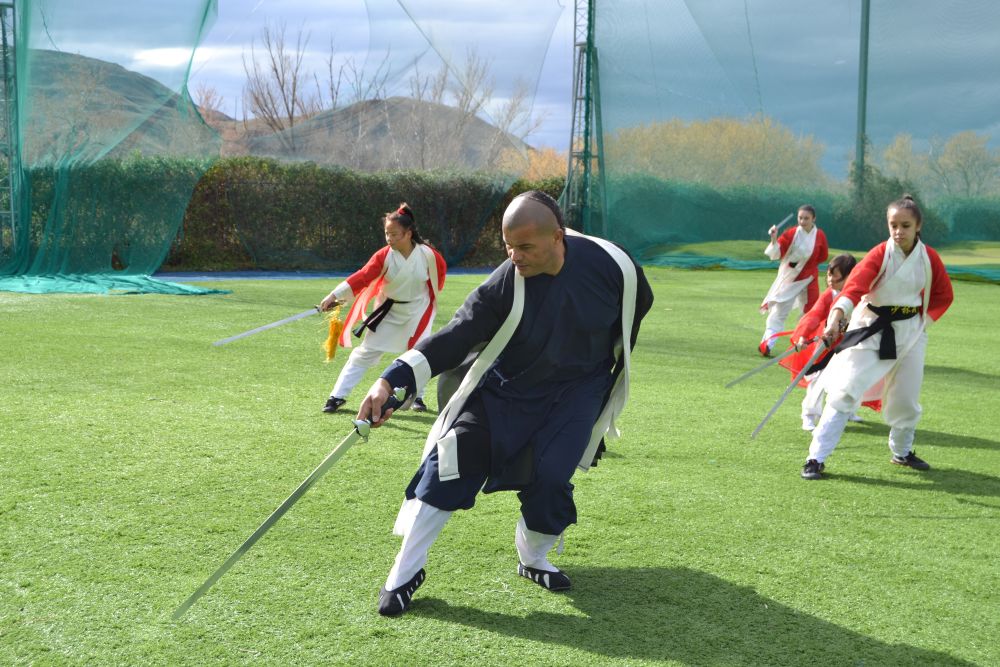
815, 318
862, 277
442, 267
369, 272
941, 292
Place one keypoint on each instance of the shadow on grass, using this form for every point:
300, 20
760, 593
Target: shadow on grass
963, 376
932, 438
680, 614
959, 482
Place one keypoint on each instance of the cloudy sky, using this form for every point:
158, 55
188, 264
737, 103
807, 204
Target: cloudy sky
524, 41
933, 63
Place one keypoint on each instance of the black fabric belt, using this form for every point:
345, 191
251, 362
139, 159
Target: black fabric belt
375, 317
885, 316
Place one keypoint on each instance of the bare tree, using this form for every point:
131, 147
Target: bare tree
964, 165
444, 139
276, 90
207, 97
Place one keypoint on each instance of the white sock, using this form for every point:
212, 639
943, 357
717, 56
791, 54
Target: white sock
426, 526
533, 547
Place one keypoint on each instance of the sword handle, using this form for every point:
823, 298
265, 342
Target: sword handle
396, 400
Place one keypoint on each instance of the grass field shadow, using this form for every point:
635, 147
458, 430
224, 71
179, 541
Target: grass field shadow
688, 616
925, 437
949, 480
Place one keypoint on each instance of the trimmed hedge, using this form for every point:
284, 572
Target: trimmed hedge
257, 213
972, 219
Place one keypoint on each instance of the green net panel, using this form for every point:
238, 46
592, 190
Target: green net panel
107, 146
113, 164
431, 106
719, 119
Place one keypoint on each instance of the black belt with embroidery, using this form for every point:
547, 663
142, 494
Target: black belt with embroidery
886, 315
375, 317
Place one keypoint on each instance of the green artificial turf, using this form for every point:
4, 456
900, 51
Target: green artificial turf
984, 254
136, 457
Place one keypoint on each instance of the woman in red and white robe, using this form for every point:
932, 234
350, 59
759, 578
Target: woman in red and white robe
805, 338
801, 250
402, 281
893, 295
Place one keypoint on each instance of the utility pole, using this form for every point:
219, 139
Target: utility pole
586, 142
859, 151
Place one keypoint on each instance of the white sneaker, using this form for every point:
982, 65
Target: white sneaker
856, 419
809, 422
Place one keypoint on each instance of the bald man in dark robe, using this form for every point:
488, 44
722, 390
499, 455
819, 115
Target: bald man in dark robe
550, 376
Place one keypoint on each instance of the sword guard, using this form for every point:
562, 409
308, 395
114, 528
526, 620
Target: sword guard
363, 427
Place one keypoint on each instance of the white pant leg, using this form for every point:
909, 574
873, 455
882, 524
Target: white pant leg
901, 403
777, 313
827, 433
361, 359
420, 535
532, 547
812, 403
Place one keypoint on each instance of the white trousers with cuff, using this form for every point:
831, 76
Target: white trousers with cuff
362, 358
777, 313
425, 526
900, 400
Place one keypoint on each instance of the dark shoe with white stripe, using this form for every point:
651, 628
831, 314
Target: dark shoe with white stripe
396, 601
910, 461
333, 404
554, 581
813, 469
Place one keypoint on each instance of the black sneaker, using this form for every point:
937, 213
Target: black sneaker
910, 461
334, 404
419, 405
554, 581
812, 469
396, 601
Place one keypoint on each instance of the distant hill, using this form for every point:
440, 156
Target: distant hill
83, 108
86, 108
394, 133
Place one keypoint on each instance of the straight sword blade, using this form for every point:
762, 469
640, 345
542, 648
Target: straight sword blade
784, 222
812, 359
305, 313
360, 432
790, 351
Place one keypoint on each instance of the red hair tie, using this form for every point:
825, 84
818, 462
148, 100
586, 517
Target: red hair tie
402, 211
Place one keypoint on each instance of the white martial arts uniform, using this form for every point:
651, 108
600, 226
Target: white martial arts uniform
856, 372
389, 275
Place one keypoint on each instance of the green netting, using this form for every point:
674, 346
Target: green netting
719, 119
433, 114
106, 145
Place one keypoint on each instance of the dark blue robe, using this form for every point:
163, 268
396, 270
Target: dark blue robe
529, 422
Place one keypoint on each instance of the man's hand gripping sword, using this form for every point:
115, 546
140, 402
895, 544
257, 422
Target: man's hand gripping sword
362, 427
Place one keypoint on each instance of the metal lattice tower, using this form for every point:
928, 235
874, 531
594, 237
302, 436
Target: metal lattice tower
583, 200
9, 163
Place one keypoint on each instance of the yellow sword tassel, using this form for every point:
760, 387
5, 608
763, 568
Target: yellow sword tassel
336, 325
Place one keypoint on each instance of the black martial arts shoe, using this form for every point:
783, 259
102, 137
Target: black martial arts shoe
334, 404
419, 405
812, 469
554, 581
396, 601
910, 461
